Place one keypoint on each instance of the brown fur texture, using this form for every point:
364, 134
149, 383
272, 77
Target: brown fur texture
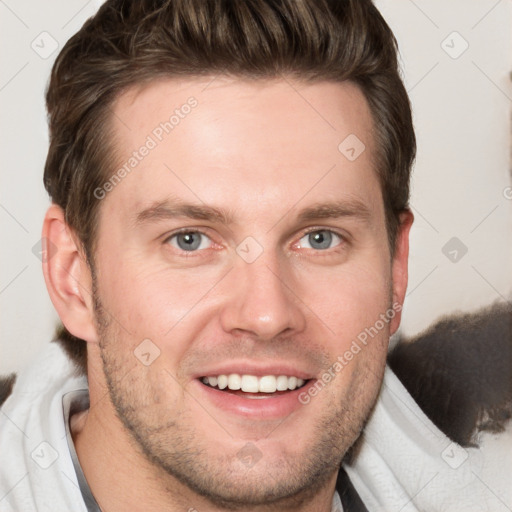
6, 385
459, 372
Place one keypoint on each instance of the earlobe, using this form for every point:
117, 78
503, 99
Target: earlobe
400, 264
67, 276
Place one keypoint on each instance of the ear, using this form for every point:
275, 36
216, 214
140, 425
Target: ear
68, 276
399, 265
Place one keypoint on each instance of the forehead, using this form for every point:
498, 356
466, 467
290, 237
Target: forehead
240, 144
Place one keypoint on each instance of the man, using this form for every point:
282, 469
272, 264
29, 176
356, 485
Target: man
227, 250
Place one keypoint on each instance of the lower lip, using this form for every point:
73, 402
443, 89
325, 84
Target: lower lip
269, 407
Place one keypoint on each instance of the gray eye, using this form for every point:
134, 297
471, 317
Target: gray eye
320, 240
190, 241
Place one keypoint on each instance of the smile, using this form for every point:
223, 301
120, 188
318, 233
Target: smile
254, 384
256, 397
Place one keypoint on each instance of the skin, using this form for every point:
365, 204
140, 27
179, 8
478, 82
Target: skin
261, 154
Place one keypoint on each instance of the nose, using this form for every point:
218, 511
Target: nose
262, 302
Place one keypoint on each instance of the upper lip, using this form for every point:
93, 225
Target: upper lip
258, 369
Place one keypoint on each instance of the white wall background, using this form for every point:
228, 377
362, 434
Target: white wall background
462, 112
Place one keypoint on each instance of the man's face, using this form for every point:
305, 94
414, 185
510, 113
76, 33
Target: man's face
244, 244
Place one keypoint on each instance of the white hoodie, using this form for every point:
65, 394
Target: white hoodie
405, 463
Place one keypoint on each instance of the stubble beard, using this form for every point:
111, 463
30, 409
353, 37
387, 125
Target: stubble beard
174, 448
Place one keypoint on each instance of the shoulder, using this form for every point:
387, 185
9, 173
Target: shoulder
33, 435
50, 370
54, 362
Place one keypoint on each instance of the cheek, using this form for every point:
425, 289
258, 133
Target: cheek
155, 302
349, 303
349, 299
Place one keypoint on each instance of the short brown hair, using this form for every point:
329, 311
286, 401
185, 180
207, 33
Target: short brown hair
128, 43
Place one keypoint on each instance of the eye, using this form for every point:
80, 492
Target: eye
190, 241
320, 240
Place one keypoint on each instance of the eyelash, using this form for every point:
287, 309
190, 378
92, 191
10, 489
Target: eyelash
343, 238
182, 231
187, 254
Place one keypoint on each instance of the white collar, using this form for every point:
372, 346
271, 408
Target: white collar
406, 463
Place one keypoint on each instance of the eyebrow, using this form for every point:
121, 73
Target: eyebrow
167, 209
353, 208
170, 209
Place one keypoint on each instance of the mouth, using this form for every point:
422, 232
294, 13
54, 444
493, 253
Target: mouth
255, 397
252, 386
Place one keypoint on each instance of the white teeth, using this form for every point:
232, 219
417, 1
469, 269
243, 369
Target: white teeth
268, 384
282, 383
222, 381
250, 384
254, 384
234, 382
